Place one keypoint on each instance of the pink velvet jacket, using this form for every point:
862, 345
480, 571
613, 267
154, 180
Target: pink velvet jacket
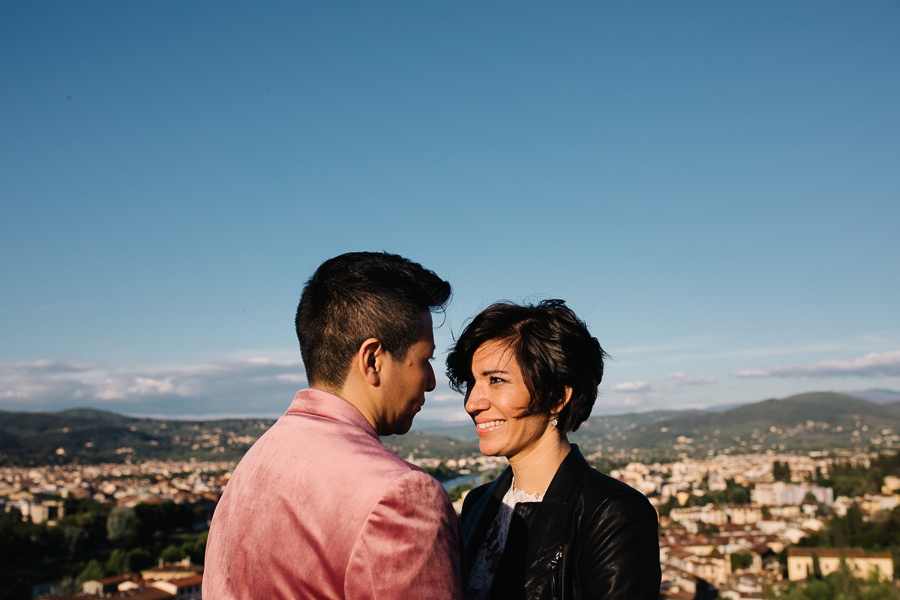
319, 508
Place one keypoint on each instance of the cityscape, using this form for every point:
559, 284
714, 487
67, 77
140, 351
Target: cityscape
737, 524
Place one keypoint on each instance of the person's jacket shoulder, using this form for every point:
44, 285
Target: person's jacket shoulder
592, 536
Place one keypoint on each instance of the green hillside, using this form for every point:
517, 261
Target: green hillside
821, 421
89, 436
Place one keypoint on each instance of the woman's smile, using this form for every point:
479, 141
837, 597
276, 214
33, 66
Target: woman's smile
487, 426
497, 399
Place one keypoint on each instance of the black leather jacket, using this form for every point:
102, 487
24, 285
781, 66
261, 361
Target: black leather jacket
591, 537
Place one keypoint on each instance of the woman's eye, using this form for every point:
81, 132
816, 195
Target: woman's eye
496, 380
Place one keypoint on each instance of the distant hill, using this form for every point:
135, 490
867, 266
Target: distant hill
92, 414
821, 421
816, 421
420, 444
877, 396
458, 431
88, 436
91, 436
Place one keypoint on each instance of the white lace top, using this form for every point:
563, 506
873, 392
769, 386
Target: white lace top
488, 558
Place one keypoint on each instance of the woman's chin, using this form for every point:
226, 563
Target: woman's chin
488, 449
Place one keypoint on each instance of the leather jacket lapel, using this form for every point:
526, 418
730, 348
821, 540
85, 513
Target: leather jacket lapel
481, 514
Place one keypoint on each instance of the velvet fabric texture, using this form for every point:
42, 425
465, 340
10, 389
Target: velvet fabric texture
319, 508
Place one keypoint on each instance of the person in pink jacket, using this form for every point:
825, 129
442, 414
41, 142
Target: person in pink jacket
319, 507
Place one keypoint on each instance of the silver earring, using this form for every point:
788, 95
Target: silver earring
554, 421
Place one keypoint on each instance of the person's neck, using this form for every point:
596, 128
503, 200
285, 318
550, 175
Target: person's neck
357, 394
534, 468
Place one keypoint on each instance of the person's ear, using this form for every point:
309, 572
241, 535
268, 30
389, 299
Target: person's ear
369, 359
564, 402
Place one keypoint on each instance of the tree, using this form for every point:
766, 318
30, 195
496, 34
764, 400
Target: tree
817, 589
844, 582
840, 585
734, 493
781, 471
196, 551
68, 586
457, 491
121, 524
172, 554
76, 538
740, 495
17, 537
117, 563
816, 566
139, 559
879, 589
93, 570
852, 480
665, 509
704, 528
162, 519
92, 518
855, 521
820, 478
741, 560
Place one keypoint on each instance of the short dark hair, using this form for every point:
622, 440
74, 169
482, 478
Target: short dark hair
552, 347
361, 295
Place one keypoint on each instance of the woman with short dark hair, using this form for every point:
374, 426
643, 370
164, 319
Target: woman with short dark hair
550, 526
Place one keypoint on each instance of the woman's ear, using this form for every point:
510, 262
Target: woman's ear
565, 401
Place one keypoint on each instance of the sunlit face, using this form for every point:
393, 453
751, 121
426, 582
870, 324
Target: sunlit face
406, 382
496, 399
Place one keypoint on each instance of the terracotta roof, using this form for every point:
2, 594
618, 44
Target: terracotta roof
148, 593
186, 581
113, 579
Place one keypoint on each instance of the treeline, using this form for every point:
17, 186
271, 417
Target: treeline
854, 480
846, 478
881, 533
840, 585
96, 540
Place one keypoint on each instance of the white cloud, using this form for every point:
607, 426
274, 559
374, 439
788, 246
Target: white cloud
687, 379
43, 366
752, 373
260, 386
144, 386
228, 387
876, 364
640, 385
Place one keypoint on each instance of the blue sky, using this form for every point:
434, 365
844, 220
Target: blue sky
712, 186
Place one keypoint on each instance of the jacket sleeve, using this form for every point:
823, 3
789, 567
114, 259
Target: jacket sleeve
409, 546
620, 554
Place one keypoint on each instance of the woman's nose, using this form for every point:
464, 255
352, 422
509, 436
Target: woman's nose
475, 400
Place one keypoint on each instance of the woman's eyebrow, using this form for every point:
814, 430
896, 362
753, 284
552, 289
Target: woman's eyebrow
495, 372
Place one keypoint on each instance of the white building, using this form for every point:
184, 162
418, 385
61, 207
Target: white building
780, 493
